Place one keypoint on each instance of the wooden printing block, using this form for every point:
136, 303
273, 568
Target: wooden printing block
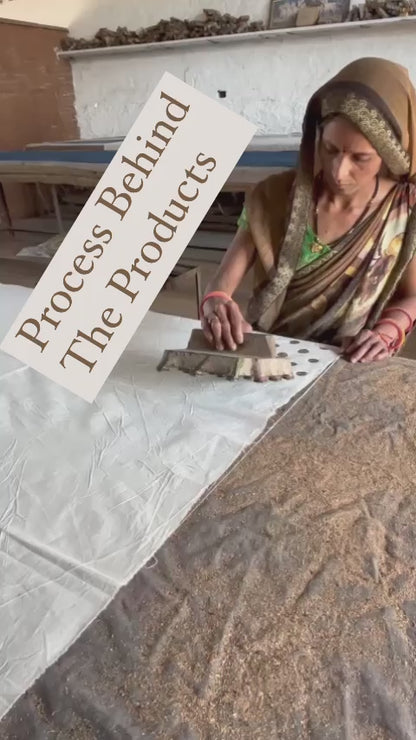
255, 359
254, 345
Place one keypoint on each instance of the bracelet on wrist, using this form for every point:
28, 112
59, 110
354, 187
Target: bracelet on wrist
392, 309
401, 335
213, 294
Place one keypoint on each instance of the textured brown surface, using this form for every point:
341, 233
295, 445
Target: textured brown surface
37, 96
284, 607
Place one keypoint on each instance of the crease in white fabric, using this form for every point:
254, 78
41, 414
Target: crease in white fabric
81, 571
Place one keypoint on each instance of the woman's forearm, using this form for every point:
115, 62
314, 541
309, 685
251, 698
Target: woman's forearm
237, 261
402, 311
402, 308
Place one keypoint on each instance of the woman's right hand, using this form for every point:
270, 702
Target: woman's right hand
223, 323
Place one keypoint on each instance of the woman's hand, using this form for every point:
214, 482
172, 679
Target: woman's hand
223, 323
368, 346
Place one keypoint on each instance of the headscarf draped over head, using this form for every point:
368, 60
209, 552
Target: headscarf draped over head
378, 97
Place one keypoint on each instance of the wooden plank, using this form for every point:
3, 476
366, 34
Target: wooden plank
259, 143
81, 175
255, 345
242, 179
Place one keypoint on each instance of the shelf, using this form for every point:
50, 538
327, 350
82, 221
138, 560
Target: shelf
238, 38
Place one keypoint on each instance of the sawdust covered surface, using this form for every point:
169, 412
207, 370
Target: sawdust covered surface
284, 607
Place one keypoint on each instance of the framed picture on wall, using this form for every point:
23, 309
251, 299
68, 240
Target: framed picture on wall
283, 13
334, 11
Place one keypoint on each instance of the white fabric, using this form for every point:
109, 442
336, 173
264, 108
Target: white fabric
88, 493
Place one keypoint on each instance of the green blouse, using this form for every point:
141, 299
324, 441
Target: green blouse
312, 248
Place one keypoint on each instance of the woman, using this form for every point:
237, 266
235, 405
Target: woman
333, 245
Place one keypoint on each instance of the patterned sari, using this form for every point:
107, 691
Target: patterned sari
347, 289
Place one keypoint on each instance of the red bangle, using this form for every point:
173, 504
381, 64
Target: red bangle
401, 310
213, 294
401, 336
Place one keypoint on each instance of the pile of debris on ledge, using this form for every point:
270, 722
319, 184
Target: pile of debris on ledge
210, 23
381, 9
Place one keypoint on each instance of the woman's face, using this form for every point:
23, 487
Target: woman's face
349, 162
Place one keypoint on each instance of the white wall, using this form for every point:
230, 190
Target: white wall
268, 82
84, 17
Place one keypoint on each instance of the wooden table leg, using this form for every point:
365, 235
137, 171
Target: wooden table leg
4, 211
198, 290
57, 209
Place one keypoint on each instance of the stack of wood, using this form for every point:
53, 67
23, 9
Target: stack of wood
210, 23
378, 9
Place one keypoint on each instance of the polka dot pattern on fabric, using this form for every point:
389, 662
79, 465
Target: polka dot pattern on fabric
305, 357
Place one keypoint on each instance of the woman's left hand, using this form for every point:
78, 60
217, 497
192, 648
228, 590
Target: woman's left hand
368, 346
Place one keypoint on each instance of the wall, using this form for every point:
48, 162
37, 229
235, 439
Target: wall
36, 88
37, 96
268, 82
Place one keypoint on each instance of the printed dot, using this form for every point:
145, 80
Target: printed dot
312, 359
294, 364
303, 351
294, 341
282, 354
301, 372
